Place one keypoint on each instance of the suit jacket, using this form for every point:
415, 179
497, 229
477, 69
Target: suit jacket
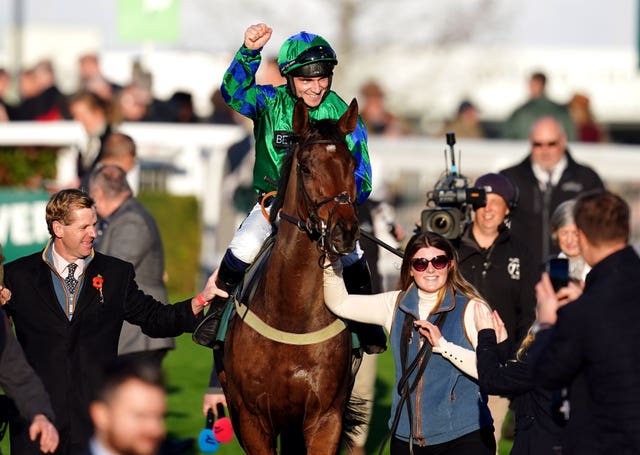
69, 355
530, 221
595, 347
131, 234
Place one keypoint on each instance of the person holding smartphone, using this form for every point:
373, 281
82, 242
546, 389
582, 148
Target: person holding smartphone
591, 345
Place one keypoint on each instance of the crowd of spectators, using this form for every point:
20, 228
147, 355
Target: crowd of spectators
39, 98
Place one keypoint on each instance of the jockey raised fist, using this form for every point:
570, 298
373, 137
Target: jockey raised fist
256, 36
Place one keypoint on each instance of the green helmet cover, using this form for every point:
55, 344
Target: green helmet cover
306, 55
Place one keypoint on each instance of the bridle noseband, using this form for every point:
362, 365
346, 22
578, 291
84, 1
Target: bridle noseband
312, 224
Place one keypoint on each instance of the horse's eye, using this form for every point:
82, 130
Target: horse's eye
304, 169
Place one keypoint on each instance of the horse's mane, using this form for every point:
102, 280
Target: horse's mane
319, 129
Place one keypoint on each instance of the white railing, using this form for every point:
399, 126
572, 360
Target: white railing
408, 165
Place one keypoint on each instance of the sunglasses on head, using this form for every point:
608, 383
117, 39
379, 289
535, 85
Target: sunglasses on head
421, 264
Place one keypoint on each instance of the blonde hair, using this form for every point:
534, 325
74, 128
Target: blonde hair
63, 203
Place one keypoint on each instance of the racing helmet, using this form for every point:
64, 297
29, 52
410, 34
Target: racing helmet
306, 55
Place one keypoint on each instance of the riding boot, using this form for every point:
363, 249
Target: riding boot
206, 331
357, 280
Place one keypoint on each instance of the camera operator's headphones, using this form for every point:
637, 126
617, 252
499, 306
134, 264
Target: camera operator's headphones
501, 185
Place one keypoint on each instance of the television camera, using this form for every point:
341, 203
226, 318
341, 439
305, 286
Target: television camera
451, 201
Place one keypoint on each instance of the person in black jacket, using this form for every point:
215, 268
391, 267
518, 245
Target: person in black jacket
24, 391
538, 427
594, 340
500, 267
68, 305
24, 387
545, 178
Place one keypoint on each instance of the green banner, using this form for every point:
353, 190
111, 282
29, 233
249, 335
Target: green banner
149, 20
23, 228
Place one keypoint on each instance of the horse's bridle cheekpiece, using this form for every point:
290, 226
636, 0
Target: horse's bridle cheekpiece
314, 225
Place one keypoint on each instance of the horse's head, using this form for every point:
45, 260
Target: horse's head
323, 169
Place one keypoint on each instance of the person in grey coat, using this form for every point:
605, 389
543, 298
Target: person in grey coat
128, 231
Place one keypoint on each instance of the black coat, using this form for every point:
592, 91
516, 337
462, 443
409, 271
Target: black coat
69, 356
530, 220
18, 379
505, 276
538, 431
595, 346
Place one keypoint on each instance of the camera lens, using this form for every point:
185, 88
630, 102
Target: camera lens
441, 223
442, 220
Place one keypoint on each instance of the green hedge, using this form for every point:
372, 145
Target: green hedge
27, 167
179, 224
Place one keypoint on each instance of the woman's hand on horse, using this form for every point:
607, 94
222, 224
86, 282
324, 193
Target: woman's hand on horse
256, 36
211, 401
430, 331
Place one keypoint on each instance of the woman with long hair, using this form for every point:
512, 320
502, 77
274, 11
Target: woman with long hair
437, 404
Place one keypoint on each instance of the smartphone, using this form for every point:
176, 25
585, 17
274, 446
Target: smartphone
558, 270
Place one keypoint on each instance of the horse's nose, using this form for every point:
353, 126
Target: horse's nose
344, 235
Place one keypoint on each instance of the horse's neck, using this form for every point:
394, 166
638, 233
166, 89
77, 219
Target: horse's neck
294, 275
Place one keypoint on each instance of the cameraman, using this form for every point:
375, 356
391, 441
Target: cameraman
500, 267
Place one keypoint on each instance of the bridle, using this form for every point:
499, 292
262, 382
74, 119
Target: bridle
312, 224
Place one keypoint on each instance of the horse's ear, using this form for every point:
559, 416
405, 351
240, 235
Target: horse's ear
300, 117
349, 119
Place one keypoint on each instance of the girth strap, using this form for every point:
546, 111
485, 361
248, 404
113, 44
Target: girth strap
298, 339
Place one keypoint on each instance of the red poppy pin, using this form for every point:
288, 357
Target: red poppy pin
98, 281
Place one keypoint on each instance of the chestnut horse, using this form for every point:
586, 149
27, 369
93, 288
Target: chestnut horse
287, 359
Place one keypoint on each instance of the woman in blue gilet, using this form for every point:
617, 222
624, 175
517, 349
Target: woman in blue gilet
437, 404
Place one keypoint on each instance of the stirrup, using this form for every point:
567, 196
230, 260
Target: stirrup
206, 331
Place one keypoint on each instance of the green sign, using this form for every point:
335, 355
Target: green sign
23, 229
149, 20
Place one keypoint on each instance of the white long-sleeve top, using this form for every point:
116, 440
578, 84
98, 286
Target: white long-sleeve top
379, 309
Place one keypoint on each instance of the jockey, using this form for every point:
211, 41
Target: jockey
306, 61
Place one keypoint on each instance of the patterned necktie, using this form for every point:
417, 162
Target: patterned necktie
70, 281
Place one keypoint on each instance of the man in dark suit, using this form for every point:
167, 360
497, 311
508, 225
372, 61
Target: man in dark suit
592, 343
128, 231
68, 305
546, 178
128, 410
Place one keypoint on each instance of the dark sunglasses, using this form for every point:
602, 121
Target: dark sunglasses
544, 144
421, 264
